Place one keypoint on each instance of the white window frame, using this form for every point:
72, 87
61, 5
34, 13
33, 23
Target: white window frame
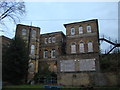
80, 30
45, 40
32, 50
49, 40
90, 46
53, 39
24, 31
45, 54
73, 48
88, 28
33, 34
53, 53
72, 31
81, 47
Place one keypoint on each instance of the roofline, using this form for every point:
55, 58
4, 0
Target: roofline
80, 22
28, 26
54, 33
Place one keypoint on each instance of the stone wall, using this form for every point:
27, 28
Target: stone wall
88, 78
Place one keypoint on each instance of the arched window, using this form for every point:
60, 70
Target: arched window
73, 48
33, 32
45, 54
53, 53
88, 28
90, 46
33, 49
80, 30
49, 40
72, 31
24, 32
53, 39
81, 46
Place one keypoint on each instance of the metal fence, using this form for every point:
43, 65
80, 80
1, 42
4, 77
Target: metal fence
48, 80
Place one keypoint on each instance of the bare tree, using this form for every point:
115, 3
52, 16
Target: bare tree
12, 10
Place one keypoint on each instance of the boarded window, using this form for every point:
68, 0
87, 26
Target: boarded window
80, 30
67, 65
90, 46
81, 47
73, 48
87, 65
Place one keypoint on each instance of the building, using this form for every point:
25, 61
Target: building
31, 35
71, 56
82, 54
51, 48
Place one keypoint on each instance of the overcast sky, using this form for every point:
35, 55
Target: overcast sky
50, 16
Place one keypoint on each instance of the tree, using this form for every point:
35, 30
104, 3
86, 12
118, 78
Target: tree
12, 10
15, 62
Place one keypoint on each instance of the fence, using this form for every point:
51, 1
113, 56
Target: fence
48, 80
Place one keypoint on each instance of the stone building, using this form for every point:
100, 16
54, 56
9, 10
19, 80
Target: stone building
31, 35
72, 56
82, 54
52, 46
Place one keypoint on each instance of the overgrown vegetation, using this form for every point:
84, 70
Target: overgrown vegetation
15, 62
110, 62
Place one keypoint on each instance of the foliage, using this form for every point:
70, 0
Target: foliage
11, 10
44, 72
110, 62
15, 62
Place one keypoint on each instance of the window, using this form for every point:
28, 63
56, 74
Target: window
33, 32
72, 31
81, 47
24, 32
90, 46
53, 53
45, 54
45, 41
73, 48
53, 39
88, 28
80, 30
33, 49
49, 39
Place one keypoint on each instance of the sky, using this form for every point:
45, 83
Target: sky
50, 17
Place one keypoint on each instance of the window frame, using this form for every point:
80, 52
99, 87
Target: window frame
90, 46
89, 28
71, 31
32, 51
80, 29
24, 32
53, 55
82, 47
73, 48
53, 39
45, 54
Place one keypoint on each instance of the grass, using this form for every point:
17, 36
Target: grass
41, 87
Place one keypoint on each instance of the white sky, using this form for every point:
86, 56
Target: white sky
50, 16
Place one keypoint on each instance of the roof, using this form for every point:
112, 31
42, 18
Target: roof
80, 22
59, 32
27, 25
